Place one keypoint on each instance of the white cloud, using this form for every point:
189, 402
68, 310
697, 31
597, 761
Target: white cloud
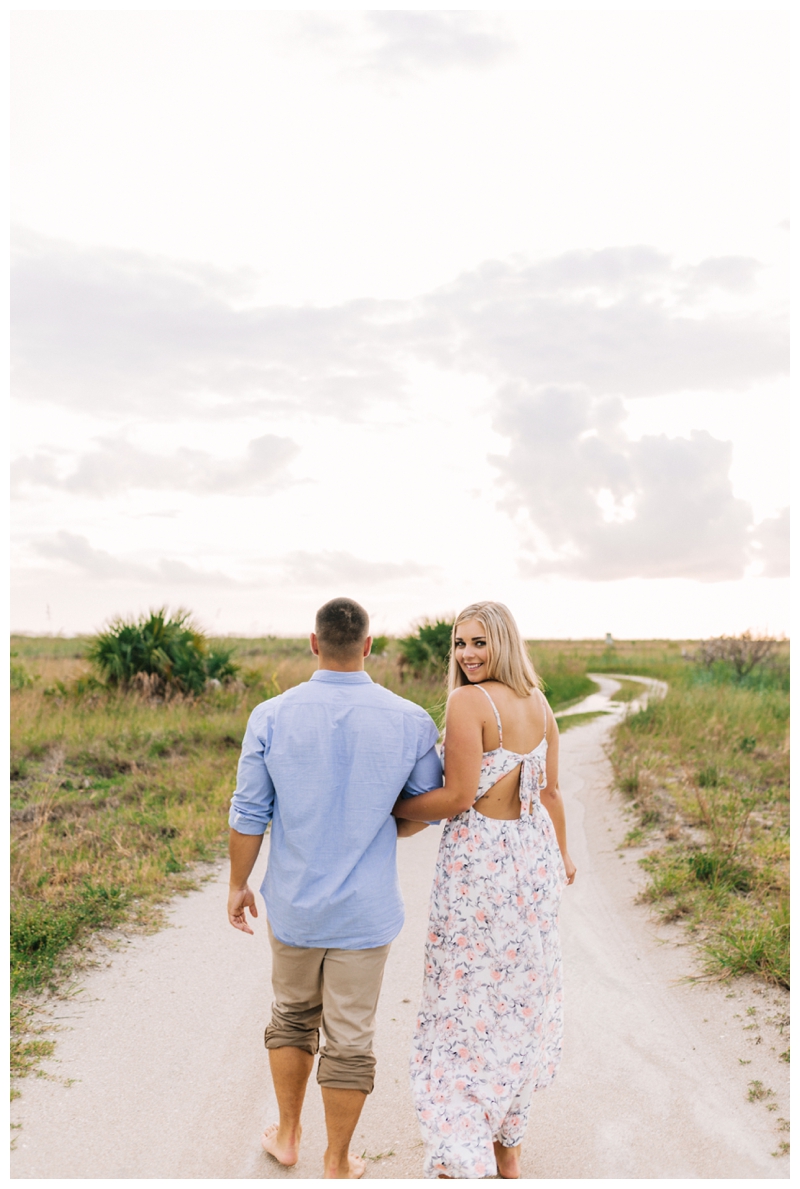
118, 332
605, 507
119, 466
296, 568
101, 566
330, 566
771, 542
412, 41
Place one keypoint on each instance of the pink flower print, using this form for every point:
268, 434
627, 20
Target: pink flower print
527, 1012
463, 1053
461, 940
426, 1114
463, 832
463, 889
460, 1085
458, 865
511, 954
432, 936
480, 1025
480, 915
458, 975
520, 900
515, 1066
445, 1127
496, 975
480, 946
480, 1168
491, 866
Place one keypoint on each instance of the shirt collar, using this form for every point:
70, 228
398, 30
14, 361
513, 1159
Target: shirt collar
359, 677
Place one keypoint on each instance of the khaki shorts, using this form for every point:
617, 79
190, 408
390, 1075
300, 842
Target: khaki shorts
335, 989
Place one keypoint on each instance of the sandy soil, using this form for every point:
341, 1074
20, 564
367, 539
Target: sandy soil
160, 1069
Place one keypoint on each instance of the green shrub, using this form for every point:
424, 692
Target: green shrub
168, 652
427, 652
20, 677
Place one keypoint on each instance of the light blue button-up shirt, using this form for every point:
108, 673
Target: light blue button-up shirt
325, 763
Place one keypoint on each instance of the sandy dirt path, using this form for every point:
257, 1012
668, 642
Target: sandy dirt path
160, 1069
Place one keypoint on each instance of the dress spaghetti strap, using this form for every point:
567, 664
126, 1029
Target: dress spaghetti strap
496, 712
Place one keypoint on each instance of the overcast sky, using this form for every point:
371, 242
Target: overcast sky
420, 307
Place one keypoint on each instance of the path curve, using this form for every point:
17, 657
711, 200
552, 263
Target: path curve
160, 1069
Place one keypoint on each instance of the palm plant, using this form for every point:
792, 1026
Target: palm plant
428, 650
171, 652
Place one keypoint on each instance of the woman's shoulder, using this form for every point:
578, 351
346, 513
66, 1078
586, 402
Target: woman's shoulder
467, 700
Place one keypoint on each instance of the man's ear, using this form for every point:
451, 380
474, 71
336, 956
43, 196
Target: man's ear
368, 646
314, 643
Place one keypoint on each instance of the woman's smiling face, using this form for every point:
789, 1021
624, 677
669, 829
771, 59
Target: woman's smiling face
471, 650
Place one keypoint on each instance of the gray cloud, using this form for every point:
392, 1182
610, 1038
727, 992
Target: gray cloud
605, 507
119, 466
115, 332
412, 41
316, 569
101, 566
298, 567
771, 545
620, 321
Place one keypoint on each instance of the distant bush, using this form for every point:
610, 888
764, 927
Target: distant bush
20, 677
427, 652
158, 654
740, 655
379, 645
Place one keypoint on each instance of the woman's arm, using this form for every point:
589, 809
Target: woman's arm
462, 762
551, 797
406, 829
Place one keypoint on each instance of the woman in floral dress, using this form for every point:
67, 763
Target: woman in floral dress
490, 1023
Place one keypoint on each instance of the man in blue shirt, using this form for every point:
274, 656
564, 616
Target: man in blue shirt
324, 763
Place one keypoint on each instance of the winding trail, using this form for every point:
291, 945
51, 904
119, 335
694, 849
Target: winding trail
160, 1069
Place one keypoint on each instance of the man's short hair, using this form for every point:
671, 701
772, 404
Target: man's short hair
341, 626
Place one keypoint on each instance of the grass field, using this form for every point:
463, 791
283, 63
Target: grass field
114, 798
706, 772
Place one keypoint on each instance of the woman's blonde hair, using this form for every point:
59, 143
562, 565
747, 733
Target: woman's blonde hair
508, 660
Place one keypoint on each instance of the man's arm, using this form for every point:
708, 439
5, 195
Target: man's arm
243, 850
424, 776
251, 811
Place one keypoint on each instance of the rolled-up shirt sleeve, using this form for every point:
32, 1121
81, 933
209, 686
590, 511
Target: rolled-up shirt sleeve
427, 771
425, 775
254, 797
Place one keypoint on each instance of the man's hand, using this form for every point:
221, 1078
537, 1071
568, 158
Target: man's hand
238, 900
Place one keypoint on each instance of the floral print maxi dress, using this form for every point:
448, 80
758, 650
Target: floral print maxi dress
489, 1028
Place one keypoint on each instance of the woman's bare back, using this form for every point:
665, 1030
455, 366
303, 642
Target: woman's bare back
524, 722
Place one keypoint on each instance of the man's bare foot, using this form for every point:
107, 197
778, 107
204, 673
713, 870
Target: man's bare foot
507, 1161
352, 1171
285, 1149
